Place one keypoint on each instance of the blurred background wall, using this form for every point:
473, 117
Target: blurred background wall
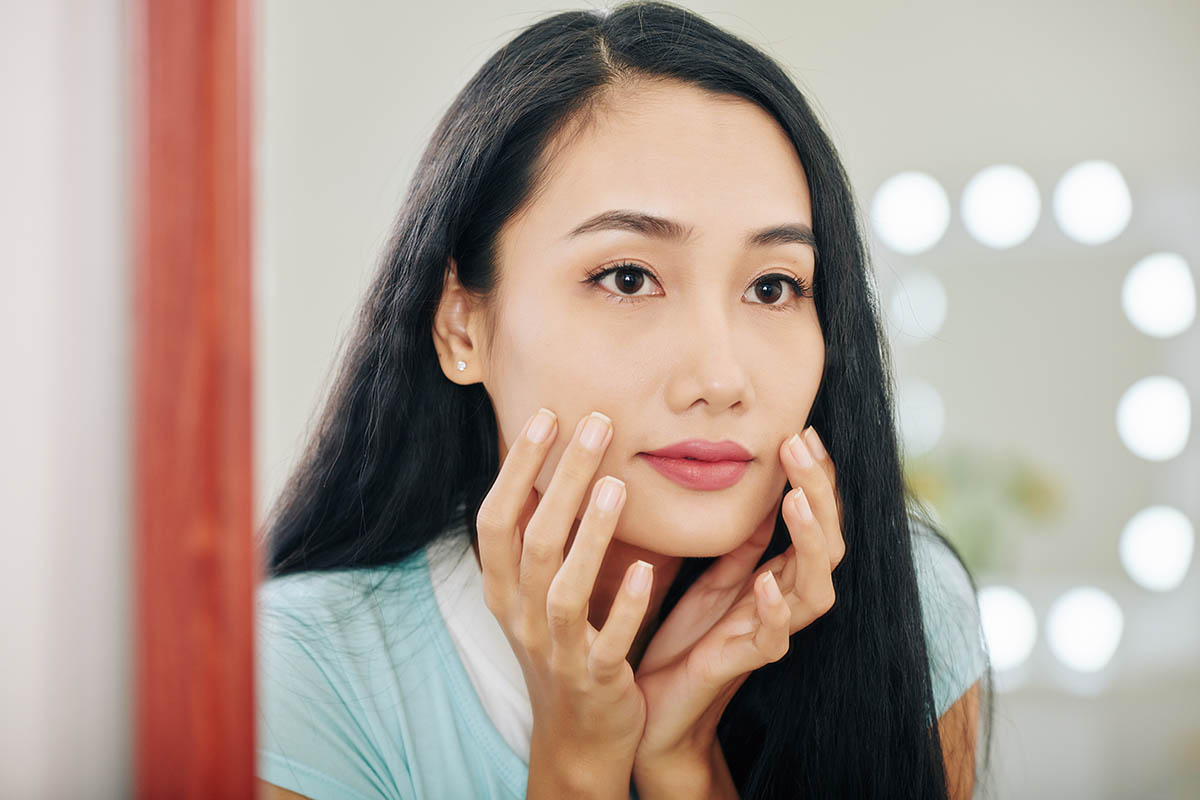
1011, 360
66, 595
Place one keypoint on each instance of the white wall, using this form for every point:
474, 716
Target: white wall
1034, 353
65, 599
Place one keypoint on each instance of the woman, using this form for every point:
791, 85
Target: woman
624, 331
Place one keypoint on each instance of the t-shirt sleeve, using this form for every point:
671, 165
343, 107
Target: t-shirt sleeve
950, 611
313, 738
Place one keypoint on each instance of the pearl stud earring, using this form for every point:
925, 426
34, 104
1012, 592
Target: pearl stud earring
462, 365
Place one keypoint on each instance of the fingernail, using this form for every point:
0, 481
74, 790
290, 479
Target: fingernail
770, 586
640, 580
800, 503
539, 429
800, 451
814, 442
594, 431
610, 493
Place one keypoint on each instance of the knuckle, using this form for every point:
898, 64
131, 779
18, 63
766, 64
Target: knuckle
814, 596
487, 519
826, 599
538, 550
577, 467
492, 600
602, 666
522, 631
561, 613
528, 635
782, 645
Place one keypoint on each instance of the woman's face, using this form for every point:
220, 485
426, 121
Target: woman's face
704, 349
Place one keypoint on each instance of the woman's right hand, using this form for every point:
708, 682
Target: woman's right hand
588, 713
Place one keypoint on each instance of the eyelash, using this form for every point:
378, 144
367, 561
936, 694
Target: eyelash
800, 287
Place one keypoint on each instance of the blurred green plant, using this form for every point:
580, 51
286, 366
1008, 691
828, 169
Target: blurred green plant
982, 498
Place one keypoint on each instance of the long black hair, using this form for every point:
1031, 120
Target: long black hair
400, 453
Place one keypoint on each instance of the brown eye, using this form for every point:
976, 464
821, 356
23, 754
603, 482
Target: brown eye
769, 288
769, 291
629, 280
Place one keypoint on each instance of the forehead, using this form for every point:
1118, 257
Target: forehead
718, 163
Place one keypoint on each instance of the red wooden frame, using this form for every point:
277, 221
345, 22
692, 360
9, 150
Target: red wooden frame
196, 561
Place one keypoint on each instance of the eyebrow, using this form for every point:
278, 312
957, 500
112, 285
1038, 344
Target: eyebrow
670, 230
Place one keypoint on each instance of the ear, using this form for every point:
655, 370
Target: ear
455, 322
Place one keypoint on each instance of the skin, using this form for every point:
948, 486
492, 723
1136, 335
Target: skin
703, 352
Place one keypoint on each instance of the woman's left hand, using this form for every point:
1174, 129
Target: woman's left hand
729, 624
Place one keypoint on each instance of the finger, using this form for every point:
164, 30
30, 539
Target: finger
610, 647
754, 634
571, 589
813, 585
832, 520
773, 636
505, 503
551, 523
768, 638
803, 472
817, 448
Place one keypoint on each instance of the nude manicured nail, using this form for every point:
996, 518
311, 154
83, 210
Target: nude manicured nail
610, 493
594, 431
540, 427
814, 442
800, 451
639, 582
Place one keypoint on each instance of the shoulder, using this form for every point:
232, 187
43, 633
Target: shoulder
331, 614
338, 628
950, 614
328, 706
331, 596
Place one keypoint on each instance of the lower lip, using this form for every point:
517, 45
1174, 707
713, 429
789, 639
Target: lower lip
705, 475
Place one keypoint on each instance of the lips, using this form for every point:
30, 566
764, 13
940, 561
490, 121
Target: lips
704, 450
700, 464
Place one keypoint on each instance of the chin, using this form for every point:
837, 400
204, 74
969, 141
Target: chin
686, 532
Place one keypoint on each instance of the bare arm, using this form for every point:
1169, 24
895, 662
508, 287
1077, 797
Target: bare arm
269, 791
957, 729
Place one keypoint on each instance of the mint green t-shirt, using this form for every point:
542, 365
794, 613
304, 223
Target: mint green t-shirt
363, 695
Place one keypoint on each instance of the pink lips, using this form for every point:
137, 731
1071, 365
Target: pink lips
701, 464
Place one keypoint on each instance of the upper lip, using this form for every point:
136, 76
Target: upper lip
704, 450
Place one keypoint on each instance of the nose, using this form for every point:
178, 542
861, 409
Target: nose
710, 364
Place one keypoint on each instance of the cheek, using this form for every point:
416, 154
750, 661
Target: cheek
558, 366
789, 372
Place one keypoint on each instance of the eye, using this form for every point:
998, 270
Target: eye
798, 286
629, 277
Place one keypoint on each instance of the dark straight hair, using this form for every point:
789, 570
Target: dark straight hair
400, 453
